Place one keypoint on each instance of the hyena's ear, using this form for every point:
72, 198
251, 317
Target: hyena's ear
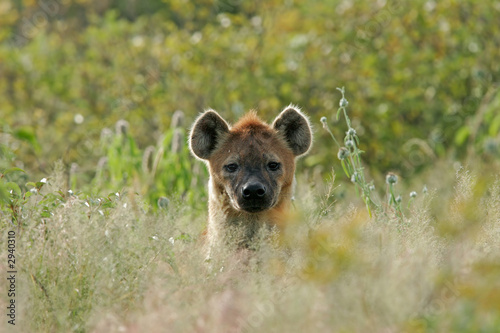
295, 128
207, 132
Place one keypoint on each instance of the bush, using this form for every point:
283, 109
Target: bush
424, 79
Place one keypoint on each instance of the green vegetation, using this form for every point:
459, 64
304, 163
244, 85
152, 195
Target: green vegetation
396, 227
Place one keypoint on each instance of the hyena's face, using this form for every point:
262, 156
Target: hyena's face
252, 163
252, 166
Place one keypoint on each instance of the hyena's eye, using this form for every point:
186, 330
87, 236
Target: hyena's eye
233, 167
273, 166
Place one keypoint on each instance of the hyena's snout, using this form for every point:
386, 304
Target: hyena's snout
254, 196
253, 191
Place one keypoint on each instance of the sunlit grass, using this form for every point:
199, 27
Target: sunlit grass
110, 264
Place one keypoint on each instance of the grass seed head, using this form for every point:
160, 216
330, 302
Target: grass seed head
122, 127
177, 119
147, 159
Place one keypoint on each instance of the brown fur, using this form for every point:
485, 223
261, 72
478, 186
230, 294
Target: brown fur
251, 167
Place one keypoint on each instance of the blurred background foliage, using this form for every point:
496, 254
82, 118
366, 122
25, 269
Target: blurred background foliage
422, 79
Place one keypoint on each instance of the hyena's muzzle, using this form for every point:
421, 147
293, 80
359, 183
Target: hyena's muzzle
255, 195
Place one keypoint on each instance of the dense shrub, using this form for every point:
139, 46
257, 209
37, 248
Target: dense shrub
424, 77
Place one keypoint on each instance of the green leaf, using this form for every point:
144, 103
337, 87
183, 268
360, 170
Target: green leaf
338, 113
345, 169
4, 193
462, 135
27, 134
494, 126
12, 170
14, 187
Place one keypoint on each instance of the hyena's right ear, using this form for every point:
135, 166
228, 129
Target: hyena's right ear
207, 132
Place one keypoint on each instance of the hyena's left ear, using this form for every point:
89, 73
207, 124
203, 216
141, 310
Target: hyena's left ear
208, 131
295, 128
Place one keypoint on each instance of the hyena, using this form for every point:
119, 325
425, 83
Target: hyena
251, 167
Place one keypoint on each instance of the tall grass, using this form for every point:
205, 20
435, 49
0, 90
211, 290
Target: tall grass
110, 264
164, 170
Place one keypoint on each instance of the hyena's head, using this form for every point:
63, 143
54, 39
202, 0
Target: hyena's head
253, 163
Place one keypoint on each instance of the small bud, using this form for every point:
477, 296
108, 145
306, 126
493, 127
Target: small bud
399, 199
323, 121
425, 190
351, 132
343, 102
349, 143
391, 178
354, 177
163, 203
343, 153
490, 146
371, 187
413, 194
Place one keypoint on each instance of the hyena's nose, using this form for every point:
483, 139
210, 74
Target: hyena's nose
253, 191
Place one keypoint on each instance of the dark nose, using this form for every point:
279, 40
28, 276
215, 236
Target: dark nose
253, 191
